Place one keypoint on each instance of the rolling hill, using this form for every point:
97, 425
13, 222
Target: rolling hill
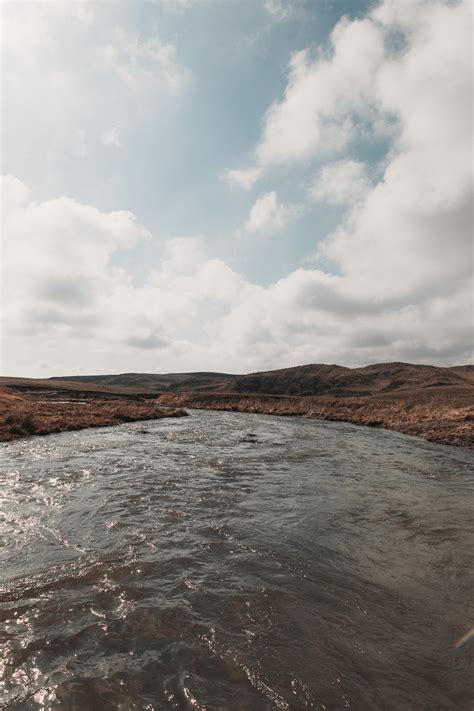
425, 400
304, 380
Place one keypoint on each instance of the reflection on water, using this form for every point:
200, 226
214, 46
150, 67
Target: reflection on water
232, 561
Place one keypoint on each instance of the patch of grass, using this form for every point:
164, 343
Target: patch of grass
21, 424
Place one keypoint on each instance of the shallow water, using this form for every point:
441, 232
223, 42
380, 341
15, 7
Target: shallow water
234, 561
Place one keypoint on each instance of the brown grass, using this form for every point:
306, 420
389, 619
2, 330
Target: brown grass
438, 418
22, 416
441, 413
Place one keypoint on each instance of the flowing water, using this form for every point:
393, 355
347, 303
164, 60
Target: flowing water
237, 562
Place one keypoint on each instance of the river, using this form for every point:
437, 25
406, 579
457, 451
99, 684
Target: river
237, 562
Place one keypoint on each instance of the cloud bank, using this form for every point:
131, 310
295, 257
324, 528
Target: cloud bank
393, 280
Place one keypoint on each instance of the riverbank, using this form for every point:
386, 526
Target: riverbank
23, 416
421, 400
436, 418
189, 563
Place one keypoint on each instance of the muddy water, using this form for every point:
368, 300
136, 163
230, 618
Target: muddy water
234, 561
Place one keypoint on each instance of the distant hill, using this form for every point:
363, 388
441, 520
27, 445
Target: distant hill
339, 381
423, 400
304, 380
169, 382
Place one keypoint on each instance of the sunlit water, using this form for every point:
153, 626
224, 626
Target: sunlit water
186, 564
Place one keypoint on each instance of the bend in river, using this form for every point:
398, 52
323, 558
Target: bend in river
234, 561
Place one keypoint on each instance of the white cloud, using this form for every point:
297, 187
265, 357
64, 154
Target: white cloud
66, 70
32, 47
269, 215
408, 238
402, 254
59, 247
345, 181
111, 137
245, 179
412, 233
68, 291
143, 63
68, 305
280, 10
322, 96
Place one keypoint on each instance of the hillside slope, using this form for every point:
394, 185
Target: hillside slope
304, 380
424, 400
157, 382
337, 381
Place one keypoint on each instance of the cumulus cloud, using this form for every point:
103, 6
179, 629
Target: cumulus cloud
323, 95
329, 99
245, 178
400, 286
405, 246
414, 227
56, 255
268, 214
71, 307
345, 181
68, 296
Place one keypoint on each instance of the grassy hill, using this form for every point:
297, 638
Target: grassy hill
424, 400
304, 380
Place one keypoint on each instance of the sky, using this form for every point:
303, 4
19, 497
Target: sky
235, 185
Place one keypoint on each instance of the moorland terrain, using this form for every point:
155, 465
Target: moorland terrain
424, 400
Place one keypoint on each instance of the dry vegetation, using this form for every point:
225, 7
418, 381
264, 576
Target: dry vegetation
21, 416
438, 418
427, 401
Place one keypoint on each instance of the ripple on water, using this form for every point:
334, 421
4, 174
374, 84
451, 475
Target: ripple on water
231, 561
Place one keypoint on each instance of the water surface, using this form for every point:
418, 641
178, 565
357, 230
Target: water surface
237, 562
